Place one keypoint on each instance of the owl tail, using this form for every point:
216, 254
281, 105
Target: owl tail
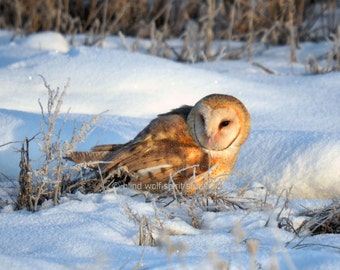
93, 158
89, 159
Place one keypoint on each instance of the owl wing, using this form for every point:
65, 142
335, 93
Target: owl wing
101, 153
164, 147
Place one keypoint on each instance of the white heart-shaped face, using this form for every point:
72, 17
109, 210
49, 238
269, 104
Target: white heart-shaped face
216, 129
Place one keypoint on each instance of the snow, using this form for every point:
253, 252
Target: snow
294, 141
42, 41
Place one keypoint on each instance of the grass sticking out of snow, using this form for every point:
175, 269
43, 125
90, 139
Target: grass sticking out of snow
49, 180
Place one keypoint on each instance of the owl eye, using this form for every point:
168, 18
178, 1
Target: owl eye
202, 119
224, 123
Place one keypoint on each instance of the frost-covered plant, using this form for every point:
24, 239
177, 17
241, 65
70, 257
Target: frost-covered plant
145, 226
209, 197
327, 62
320, 221
52, 176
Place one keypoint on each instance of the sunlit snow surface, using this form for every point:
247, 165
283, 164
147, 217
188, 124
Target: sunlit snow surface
294, 141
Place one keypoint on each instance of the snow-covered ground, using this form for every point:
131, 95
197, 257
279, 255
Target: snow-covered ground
294, 142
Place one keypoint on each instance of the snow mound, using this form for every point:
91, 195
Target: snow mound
315, 172
49, 41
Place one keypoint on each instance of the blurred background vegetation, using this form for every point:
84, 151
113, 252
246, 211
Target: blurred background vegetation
197, 22
219, 19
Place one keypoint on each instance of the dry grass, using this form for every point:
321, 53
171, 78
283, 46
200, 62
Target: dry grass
197, 22
51, 178
93, 181
327, 62
147, 228
325, 220
209, 197
318, 221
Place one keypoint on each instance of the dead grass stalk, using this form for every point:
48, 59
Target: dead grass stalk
52, 176
197, 22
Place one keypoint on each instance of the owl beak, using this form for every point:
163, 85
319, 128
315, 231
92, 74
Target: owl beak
212, 137
212, 141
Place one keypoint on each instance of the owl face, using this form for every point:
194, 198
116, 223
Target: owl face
216, 129
219, 121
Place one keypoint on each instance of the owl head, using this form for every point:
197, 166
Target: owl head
218, 122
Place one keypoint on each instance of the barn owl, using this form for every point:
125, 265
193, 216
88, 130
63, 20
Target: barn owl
191, 145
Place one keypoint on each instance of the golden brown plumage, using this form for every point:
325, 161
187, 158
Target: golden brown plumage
194, 145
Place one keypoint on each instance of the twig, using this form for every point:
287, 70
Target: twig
2, 145
267, 70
